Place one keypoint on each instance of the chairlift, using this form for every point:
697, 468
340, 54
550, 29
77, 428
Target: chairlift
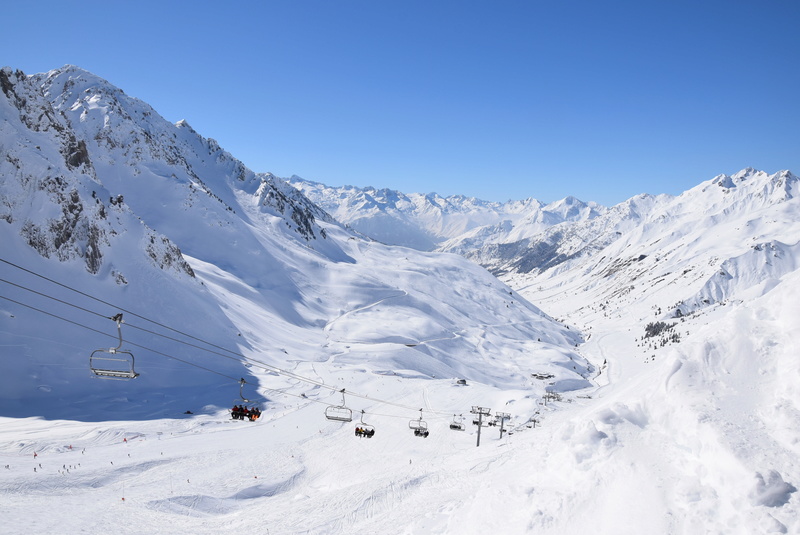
457, 424
243, 412
339, 413
419, 426
113, 363
364, 430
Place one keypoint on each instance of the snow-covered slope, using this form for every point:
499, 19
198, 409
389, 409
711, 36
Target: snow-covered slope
103, 196
691, 304
682, 253
669, 405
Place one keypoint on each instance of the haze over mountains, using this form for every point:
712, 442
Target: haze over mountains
645, 353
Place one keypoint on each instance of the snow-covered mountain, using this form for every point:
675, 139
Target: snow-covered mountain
718, 202
706, 245
426, 221
527, 237
666, 402
103, 195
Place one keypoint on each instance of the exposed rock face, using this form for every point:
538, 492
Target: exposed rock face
49, 187
71, 142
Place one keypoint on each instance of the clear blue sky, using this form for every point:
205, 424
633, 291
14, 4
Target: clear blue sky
493, 99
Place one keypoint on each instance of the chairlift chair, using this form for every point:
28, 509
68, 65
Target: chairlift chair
250, 412
339, 413
113, 363
364, 429
457, 424
419, 426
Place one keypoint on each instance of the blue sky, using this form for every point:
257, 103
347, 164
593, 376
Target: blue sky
493, 99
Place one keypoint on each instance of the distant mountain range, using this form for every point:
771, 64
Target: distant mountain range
428, 221
528, 240
726, 239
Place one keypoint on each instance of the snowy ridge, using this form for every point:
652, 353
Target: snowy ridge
755, 272
558, 243
170, 162
702, 247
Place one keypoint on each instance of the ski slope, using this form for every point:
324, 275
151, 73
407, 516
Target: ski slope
651, 375
701, 439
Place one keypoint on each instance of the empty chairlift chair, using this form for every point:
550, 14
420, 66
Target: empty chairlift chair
339, 413
113, 363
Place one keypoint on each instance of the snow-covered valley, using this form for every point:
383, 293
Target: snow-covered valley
645, 354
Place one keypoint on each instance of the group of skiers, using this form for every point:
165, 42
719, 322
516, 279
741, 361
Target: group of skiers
364, 432
241, 412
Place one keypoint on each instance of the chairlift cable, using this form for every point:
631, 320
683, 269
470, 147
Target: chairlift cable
112, 336
57, 316
240, 356
266, 366
172, 357
98, 331
92, 328
134, 344
54, 298
110, 304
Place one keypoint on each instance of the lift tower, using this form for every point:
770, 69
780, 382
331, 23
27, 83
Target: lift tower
481, 412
